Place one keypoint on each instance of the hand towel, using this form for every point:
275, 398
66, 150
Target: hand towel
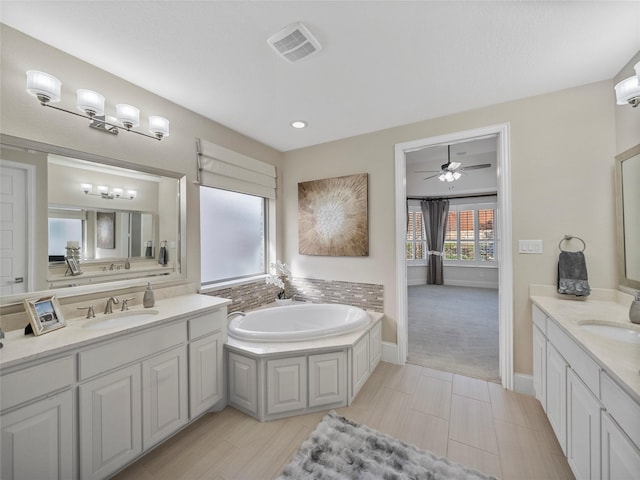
163, 255
572, 274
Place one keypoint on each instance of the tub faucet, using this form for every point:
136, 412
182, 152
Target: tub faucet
231, 314
109, 306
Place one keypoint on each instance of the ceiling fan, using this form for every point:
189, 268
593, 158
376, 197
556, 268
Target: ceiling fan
451, 171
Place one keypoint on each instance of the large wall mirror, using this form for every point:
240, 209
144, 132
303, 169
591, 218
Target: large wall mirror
121, 222
628, 216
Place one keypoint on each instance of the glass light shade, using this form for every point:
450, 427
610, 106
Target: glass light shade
159, 126
456, 175
44, 86
627, 89
103, 189
132, 194
128, 115
86, 187
117, 192
90, 102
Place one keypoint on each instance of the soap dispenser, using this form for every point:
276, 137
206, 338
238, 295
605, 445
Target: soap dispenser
634, 311
149, 299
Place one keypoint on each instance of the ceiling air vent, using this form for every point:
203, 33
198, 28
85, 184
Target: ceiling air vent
294, 42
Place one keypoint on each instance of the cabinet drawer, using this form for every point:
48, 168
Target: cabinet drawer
208, 323
621, 407
33, 382
582, 364
106, 357
539, 319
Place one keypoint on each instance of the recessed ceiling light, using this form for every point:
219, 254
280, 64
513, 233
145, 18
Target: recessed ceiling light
299, 124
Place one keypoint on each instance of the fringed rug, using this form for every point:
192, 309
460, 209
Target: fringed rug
341, 449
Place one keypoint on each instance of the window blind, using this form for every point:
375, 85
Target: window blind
222, 168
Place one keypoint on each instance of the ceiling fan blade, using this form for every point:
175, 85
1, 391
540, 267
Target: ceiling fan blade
426, 171
476, 167
433, 176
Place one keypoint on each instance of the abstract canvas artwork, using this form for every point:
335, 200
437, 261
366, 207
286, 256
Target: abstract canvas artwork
333, 217
106, 235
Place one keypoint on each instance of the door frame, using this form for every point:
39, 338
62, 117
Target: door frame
30, 188
505, 258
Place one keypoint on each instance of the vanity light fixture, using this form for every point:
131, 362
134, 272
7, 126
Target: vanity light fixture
628, 90
103, 191
46, 88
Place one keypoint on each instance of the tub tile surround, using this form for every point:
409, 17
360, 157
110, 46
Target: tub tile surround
619, 359
255, 294
19, 348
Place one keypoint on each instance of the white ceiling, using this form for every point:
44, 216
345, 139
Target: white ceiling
383, 63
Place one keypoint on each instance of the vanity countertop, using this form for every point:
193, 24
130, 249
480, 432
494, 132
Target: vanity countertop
621, 360
19, 348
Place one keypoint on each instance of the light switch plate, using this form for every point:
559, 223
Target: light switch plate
530, 246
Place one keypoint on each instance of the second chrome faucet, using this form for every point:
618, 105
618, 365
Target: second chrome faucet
110, 303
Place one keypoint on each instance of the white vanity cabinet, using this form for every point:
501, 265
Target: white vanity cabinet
595, 421
104, 401
37, 422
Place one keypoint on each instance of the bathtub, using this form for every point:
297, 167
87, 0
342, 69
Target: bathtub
294, 323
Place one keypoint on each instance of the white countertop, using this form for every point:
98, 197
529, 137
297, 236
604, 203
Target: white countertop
19, 347
621, 360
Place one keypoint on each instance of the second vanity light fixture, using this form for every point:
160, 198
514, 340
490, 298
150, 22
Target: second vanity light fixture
103, 191
628, 90
47, 89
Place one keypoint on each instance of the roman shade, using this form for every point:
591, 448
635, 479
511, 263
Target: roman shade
222, 168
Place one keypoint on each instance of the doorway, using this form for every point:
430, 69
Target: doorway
503, 242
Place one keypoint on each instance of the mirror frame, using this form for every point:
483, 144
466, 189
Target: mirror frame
180, 275
620, 240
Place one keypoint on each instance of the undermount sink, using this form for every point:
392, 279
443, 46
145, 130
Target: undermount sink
120, 319
622, 333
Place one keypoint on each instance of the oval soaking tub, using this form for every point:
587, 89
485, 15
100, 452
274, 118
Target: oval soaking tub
294, 323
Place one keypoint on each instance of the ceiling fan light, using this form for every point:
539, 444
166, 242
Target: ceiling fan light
442, 177
44, 86
456, 175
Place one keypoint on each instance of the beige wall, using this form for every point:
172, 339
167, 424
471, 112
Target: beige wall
22, 116
562, 159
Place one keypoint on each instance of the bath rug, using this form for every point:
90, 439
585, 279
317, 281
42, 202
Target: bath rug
341, 449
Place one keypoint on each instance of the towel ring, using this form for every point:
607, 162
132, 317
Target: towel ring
570, 237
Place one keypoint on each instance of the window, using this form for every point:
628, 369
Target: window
62, 230
470, 235
233, 228
416, 245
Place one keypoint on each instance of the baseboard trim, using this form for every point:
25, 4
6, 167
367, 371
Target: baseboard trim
390, 353
471, 283
523, 384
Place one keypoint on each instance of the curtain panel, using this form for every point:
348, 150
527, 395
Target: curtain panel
434, 214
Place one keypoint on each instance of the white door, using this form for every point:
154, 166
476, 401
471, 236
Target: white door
13, 230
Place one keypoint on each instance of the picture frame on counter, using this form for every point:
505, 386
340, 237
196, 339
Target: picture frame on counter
45, 314
73, 266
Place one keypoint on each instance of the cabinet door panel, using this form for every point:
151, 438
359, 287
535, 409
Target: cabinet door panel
327, 379
620, 457
110, 422
375, 346
37, 440
360, 364
286, 385
557, 394
243, 383
583, 429
205, 373
164, 397
540, 366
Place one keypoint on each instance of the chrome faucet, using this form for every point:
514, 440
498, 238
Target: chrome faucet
91, 313
231, 314
110, 303
125, 304
111, 266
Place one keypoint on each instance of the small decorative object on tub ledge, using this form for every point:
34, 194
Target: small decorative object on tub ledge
149, 299
280, 278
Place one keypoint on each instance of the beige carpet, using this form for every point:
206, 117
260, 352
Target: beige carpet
454, 329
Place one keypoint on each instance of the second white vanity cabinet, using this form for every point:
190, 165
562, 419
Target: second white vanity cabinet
595, 421
97, 405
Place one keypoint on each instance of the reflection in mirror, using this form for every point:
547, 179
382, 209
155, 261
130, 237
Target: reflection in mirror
109, 214
628, 216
